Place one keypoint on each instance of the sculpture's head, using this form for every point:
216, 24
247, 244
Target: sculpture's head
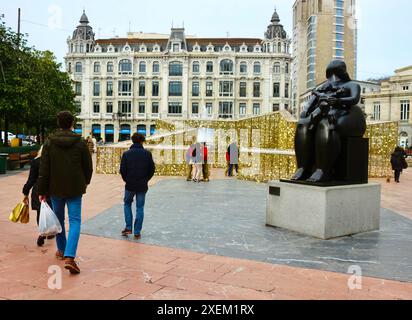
337, 71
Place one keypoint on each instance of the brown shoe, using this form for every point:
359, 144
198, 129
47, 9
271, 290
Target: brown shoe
137, 236
126, 232
60, 255
71, 265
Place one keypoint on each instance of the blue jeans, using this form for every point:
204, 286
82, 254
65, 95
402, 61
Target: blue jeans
74, 206
128, 215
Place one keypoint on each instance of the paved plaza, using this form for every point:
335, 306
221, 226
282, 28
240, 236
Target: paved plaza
205, 241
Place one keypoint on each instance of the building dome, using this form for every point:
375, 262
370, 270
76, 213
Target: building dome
275, 29
275, 17
83, 18
83, 31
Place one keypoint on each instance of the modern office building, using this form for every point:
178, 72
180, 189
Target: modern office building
323, 30
124, 84
393, 103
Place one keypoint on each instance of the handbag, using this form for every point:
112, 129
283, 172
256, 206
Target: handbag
20, 213
405, 164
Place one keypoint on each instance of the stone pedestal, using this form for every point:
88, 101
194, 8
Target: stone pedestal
324, 212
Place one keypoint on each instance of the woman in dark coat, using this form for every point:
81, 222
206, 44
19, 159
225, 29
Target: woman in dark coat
31, 184
398, 162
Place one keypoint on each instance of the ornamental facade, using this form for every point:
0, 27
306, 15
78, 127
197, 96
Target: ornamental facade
123, 85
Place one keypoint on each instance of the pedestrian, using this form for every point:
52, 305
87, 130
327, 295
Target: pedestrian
137, 168
232, 157
398, 162
197, 155
189, 162
94, 141
90, 144
31, 184
65, 172
205, 166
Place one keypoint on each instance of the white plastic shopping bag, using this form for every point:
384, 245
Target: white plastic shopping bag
49, 225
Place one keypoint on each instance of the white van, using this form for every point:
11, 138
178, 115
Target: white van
10, 135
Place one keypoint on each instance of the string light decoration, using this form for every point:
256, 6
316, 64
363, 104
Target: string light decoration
266, 147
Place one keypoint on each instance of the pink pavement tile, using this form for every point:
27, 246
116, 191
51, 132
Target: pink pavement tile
175, 294
195, 273
138, 287
198, 264
214, 289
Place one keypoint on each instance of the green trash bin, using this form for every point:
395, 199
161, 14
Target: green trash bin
3, 163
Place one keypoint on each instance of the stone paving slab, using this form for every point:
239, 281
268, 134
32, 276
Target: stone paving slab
227, 218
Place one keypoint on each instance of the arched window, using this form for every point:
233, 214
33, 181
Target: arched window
78, 68
96, 67
209, 67
243, 67
279, 47
175, 68
142, 67
287, 68
125, 132
256, 67
96, 131
276, 67
196, 67
69, 67
141, 128
152, 129
226, 66
125, 66
156, 67
78, 129
110, 67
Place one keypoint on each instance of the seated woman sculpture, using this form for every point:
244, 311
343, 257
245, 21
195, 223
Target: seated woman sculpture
330, 116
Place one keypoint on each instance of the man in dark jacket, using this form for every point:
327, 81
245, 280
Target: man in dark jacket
137, 168
398, 162
65, 171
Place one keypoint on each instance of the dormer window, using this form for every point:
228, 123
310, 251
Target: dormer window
126, 48
176, 47
243, 48
210, 48
156, 48
196, 48
257, 48
227, 48
98, 49
110, 48
143, 48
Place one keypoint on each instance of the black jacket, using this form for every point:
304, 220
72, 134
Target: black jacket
66, 166
31, 184
398, 160
137, 168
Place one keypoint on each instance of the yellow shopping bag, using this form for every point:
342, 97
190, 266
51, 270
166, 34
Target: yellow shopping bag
20, 213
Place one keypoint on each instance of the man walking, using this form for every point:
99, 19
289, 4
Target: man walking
137, 168
65, 171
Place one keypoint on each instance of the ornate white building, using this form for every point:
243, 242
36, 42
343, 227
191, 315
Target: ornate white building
124, 84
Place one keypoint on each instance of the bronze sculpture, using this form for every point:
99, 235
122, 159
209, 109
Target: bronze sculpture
330, 118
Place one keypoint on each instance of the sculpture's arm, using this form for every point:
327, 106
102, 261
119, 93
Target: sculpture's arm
354, 96
310, 106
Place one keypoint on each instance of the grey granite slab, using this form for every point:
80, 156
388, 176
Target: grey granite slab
227, 218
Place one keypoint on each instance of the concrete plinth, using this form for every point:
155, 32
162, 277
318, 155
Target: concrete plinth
324, 212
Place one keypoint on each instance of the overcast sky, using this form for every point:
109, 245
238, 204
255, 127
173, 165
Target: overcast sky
385, 30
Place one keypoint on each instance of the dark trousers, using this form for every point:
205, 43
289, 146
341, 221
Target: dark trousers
397, 175
230, 172
38, 216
